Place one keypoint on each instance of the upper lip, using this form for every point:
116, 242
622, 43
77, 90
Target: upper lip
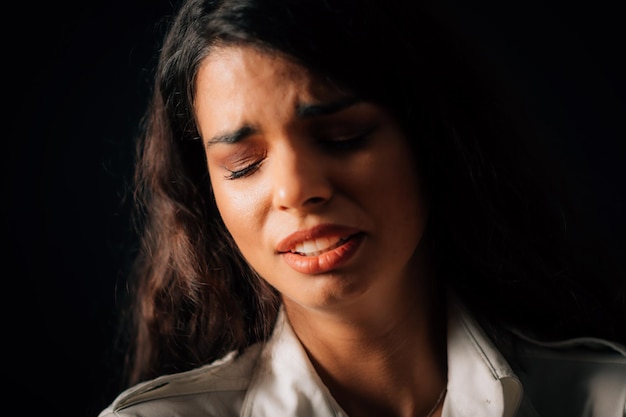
323, 230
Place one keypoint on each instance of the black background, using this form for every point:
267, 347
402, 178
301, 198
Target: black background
75, 83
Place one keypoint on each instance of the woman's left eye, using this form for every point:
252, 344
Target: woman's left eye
348, 142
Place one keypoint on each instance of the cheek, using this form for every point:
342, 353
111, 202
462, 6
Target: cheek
400, 193
231, 207
241, 210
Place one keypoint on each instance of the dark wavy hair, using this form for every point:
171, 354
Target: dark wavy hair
500, 228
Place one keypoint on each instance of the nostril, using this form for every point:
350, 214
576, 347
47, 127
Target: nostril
301, 187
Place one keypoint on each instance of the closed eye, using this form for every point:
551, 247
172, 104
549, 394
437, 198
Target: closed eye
348, 142
243, 172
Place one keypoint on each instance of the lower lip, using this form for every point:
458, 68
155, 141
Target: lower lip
326, 261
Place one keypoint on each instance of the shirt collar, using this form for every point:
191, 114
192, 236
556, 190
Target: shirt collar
285, 383
480, 381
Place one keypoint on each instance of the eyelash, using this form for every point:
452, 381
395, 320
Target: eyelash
342, 145
351, 143
244, 172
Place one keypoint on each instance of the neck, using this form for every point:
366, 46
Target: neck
386, 359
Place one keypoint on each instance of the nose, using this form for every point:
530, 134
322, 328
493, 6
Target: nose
300, 180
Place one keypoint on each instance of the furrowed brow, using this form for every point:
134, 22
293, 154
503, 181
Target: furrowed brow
313, 110
231, 137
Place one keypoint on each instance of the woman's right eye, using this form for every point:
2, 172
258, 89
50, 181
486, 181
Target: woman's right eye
243, 172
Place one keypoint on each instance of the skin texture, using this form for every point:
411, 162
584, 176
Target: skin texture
282, 173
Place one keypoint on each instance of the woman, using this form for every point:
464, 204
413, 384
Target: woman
333, 228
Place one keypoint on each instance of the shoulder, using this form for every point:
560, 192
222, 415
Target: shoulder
578, 377
216, 389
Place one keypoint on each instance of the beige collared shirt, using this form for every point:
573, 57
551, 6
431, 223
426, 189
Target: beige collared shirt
276, 379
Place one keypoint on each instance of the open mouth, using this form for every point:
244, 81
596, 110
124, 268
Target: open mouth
323, 254
316, 247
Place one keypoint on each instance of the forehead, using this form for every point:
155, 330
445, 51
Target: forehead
231, 62
232, 71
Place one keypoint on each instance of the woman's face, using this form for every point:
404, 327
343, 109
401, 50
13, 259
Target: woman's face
318, 189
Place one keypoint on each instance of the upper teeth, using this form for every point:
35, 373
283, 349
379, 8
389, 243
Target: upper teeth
317, 246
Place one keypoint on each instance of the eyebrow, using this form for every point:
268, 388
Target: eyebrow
303, 111
312, 110
232, 137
